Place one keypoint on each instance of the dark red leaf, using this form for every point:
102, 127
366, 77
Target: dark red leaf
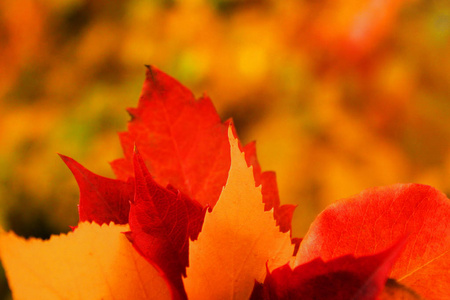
258, 292
161, 222
342, 278
102, 200
268, 180
252, 160
196, 214
283, 215
269, 190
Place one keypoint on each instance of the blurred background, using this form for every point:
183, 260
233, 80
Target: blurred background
340, 95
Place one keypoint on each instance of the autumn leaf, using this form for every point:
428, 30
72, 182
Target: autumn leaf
188, 154
342, 278
374, 219
102, 200
182, 141
283, 215
269, 190
161, 222
237, 240
163, 219
93, 262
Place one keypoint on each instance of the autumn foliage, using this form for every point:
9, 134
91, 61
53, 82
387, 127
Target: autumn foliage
191, 215
340, 95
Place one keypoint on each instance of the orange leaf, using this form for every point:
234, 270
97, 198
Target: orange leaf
93, 262
237, 239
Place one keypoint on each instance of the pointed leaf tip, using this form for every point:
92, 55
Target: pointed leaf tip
102, 200
237, 221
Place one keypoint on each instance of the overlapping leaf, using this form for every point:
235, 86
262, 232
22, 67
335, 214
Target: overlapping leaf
237, 240
102, 200
269, 190
162, 221
342, 278
182, 141
374, 219
185, 145
93, 262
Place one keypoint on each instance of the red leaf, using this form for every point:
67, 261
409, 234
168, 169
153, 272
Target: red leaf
345, 277
184, 144
161, 222
269, 189
374, 219
181, 140
268, 180
102, 200
283, 215
252, 160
